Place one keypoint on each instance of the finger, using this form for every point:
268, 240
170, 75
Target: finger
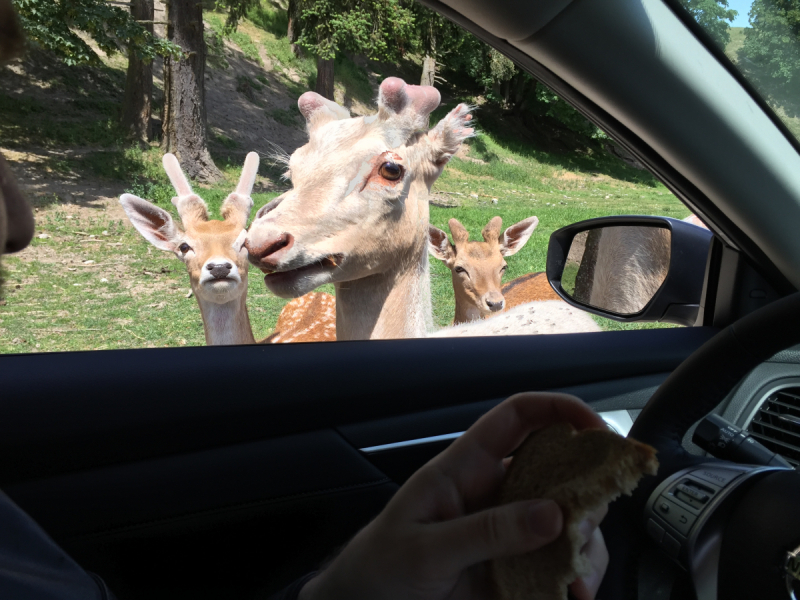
505, 530
585, 588
591, 522
505, 427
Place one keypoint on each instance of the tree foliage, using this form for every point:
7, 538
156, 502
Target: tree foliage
771, 52
714, 17
53, 24
379, 29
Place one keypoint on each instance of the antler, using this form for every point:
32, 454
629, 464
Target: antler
318, 110
406, 106
191, 207
459, 232
238, 204
491, 233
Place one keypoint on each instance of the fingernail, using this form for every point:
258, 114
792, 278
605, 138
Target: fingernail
545, 519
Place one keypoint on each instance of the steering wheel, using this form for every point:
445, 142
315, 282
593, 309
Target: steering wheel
737, 542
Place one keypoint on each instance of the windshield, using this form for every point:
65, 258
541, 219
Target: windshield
762, 40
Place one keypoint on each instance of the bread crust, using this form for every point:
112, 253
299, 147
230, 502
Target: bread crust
580, 471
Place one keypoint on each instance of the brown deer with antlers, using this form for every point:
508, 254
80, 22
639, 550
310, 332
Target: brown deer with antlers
214, 254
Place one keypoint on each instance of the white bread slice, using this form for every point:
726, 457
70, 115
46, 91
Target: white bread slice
580, 471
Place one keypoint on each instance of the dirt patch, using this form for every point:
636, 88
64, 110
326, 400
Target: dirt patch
569, 176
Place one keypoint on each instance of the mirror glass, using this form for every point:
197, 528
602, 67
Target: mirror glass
618, 269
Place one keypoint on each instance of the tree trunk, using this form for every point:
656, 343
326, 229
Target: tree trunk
428, 70
184, 129
291, 13
519, 93
135, 118
324, 85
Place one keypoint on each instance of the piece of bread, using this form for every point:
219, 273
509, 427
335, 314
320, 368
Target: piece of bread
580, 471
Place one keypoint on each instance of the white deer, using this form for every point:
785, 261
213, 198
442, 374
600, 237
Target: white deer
214, 254
477, 268
357, 215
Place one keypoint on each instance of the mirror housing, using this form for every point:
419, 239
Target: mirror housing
677, 300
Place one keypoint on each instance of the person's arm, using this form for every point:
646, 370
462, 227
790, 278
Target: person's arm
34, 567
434, 537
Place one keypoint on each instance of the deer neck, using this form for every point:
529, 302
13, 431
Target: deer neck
389, 305
226, 324
466, 311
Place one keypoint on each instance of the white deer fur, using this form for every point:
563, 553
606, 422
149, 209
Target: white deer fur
357, 215
533, 318
632, 263
349, 224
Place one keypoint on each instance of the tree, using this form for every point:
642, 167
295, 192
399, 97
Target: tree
770, 55
379, 29
135, 120
714, 17
185, 127
54, 25
435, 37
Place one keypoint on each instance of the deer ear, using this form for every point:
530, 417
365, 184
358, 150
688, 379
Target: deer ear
516, 236
439, 246
449, 133
154, 223
460, 233
318, 110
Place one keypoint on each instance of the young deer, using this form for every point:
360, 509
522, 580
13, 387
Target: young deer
477, 268
357, 214
214, 254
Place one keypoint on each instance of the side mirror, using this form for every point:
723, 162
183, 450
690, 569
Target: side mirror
631, 268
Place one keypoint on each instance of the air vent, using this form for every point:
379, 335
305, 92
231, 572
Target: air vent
777, 424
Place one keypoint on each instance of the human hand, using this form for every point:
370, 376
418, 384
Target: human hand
434, 537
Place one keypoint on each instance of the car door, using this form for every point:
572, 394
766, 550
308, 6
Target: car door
203, 471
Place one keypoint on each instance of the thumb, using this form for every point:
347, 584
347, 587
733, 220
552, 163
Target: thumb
505, 530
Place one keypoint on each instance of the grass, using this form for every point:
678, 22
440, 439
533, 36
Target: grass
286, 116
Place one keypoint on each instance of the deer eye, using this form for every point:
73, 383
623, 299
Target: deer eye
184, 248
460, 270
391, 171
503, 268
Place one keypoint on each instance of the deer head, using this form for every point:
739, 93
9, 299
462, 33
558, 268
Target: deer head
359, 199
477, 267
213, 251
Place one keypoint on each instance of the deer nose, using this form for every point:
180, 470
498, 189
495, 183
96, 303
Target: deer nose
268, 253
494, 301
219, 270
